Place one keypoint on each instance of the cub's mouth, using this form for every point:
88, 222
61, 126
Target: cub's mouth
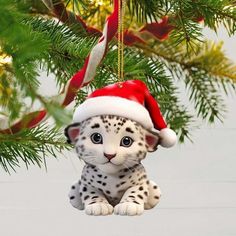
109, 162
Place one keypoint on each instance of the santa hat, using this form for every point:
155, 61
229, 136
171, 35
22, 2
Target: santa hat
130, 99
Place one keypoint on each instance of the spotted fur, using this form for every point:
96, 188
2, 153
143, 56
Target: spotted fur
113, 178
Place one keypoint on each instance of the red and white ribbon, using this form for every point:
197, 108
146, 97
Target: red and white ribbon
86, 74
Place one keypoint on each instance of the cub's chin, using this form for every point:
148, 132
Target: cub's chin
110, 168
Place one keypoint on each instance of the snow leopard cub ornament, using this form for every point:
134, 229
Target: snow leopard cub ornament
112, 132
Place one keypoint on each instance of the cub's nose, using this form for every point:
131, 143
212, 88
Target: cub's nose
109, 156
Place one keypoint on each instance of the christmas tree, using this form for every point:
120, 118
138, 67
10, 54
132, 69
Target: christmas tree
162, 42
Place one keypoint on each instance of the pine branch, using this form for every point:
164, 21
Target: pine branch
67, 49
31, 146
207, 101
207, 57
147, 10
203, 70
217, 12
24, 50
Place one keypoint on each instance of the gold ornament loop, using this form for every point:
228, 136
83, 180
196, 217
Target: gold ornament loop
121, 11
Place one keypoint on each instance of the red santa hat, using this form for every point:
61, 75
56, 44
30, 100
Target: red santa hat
130, 99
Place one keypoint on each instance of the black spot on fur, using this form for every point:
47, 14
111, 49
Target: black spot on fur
99, 182
140, 188
121, 176
86, 197
72, 197
94, 197
140, 196
95, 126
73, 187
108, 192
92, 203
135, 202
155, 187
104, 184
156, 197
84, 189
145, 193
140, 144
93, 192
100, 176
129, 130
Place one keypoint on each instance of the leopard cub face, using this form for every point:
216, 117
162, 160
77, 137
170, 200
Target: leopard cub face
111, 143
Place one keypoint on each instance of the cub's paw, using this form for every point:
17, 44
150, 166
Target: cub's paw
129, 209
98, 209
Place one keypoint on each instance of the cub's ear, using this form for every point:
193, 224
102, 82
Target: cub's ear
72, 132
152, 140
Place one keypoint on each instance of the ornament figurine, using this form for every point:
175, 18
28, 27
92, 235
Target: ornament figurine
112, 131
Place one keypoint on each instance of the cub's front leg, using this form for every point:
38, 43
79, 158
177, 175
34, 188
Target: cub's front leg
74, 196
133, 200
94, 201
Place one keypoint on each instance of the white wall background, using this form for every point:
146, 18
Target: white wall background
198, 182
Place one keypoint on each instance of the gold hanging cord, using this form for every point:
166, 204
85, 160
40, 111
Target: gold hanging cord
121, 12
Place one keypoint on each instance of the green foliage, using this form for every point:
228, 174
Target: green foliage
31, 146
185, 14
25, 49
205, 70
67, 49
146, 10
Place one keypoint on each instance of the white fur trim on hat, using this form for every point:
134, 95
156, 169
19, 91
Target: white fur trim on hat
168, 137
112, 105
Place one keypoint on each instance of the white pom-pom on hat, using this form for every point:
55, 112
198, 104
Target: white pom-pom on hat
168, 137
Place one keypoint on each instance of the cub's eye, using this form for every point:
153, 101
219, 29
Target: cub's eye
126, 141
96, 138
